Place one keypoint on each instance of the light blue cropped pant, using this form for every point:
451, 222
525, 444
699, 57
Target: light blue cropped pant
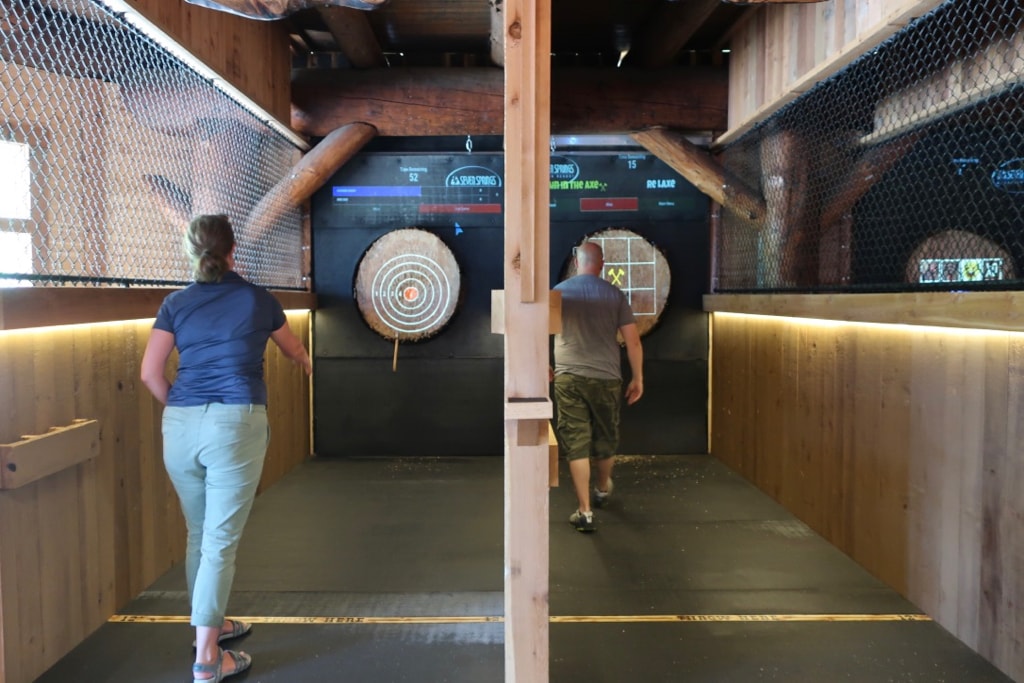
214, 456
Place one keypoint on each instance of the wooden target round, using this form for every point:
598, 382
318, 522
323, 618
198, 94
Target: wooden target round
958, 256
407, 285
635, 266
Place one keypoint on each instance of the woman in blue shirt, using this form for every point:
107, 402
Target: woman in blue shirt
215, 429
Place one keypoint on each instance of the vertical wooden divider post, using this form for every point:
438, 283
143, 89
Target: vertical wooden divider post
527, 26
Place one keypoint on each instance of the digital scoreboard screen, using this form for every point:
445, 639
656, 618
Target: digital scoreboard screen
430, 190
436, 190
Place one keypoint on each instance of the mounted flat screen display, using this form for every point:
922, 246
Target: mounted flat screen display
444, 190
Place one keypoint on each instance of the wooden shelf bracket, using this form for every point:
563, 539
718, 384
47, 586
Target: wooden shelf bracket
40, 455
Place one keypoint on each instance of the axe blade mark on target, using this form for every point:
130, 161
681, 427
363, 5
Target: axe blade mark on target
407, 285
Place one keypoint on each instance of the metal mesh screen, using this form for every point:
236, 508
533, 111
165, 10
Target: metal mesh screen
903, 172
109, 144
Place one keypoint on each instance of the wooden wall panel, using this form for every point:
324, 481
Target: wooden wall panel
229, 44
782, 50
78, 545
899, 445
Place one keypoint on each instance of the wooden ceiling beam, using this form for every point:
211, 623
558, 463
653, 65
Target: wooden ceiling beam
470, 101
276, 9
352, 32
674, 24
308, 176
704, 172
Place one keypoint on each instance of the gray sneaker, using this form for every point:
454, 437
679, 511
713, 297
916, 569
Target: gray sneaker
582, 521
601, 497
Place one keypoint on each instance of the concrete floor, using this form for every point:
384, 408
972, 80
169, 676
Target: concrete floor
387, 570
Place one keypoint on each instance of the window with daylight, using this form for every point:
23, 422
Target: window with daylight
15, 257
15, 208
15, 181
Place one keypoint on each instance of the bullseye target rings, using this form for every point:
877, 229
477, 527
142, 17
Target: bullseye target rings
407, 285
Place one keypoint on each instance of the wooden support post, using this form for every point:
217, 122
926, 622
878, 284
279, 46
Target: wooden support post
520, 411
498, 312
784, 231
527, 150
836, 223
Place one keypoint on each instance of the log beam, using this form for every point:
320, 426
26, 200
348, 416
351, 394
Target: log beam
436, 101
352, 31
308, 176
836, 221
706, 174
785, 243
673, 26
278, 9
174, 201
865, 174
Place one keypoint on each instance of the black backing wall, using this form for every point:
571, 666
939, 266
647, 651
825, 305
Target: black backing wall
445, 398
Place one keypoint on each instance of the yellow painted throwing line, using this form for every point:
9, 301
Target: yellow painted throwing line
605, 619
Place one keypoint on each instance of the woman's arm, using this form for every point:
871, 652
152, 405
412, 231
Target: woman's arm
154, 363
291, 346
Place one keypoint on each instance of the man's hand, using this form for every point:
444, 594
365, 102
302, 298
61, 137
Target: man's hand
634, 391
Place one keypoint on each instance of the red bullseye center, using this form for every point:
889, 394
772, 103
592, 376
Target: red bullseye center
410, 293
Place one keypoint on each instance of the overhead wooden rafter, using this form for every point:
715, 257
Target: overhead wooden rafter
675, 24
706, 174
276, 9
308, 176
352, 32
469, 101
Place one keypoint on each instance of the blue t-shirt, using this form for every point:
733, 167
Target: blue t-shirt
221, 331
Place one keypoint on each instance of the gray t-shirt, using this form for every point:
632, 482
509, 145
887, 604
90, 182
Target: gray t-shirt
593, 310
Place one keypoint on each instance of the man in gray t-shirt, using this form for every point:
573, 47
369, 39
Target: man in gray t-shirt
588, 377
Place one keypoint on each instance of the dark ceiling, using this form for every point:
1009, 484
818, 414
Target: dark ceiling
458, 33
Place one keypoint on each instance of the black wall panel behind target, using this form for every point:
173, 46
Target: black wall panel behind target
444, 394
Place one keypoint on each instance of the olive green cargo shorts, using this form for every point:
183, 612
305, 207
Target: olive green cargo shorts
588, 416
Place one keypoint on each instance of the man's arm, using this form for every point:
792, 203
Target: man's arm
635, 353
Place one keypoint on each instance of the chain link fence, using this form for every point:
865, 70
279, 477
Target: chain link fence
903, 172
110, 143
